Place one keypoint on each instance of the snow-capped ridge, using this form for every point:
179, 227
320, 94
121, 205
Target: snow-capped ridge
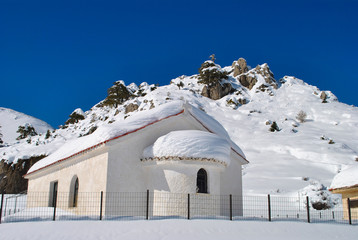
10, 120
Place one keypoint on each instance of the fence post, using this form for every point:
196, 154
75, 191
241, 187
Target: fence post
15, 204
188, 205
101, 205
349, 211
230, 207
147, 209
2, 203
308, 209
269, 207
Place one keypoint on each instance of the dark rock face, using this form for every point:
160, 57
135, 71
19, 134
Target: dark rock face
240, 67
131, 107
216, 91
13, 180
248, 81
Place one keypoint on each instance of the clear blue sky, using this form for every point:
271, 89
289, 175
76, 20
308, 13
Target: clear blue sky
56, 56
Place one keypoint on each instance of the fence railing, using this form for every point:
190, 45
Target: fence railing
37, 206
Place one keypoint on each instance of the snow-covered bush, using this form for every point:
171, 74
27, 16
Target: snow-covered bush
320, 197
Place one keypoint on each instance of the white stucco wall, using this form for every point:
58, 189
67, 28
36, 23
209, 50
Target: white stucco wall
91, 170
171, 181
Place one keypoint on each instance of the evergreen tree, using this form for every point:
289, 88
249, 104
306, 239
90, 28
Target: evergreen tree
25, 131
48, 134
117, 94
74, 118
211, 73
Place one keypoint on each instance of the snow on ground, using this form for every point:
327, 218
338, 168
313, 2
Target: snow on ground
175, 229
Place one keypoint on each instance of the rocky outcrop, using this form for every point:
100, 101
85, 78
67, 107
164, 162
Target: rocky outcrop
13, 180
240, 67
131, 107
217, 90
248, 81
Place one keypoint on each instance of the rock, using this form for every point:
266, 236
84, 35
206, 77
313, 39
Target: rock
242, 101
216, 91
265, 71
323, 96
92, 129
247, 81
240, 67
13, 180
131, 107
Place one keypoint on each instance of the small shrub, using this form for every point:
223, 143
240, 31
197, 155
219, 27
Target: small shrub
301, 116
331, 142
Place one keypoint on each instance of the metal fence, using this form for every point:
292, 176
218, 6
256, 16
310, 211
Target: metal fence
160, 205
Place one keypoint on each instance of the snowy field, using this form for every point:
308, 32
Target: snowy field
176, 229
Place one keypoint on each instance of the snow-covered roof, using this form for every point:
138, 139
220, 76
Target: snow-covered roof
346, 178
213, 126
140, 120
190, 144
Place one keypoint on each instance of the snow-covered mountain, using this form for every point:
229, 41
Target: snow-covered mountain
10, 120
287, 155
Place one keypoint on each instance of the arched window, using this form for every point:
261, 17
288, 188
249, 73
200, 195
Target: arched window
74, 192
202, 181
